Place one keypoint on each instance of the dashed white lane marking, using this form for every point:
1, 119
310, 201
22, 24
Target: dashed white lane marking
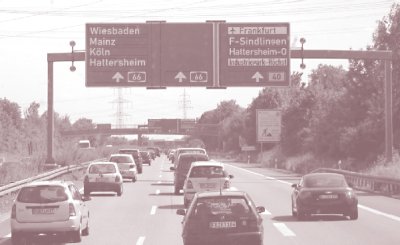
140, 240
282, 228
158, 192
153, 210
159, 182
390, 216
160, 175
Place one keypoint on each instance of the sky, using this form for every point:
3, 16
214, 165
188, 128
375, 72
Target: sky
29, 30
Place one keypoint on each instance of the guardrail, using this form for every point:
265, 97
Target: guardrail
383, 185
15, 186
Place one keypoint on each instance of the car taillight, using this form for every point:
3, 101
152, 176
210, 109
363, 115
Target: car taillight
227, 185
189, 184
14, 212
72, 210
117, 179
349, 194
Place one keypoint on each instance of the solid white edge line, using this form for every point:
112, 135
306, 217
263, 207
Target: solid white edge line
140, 240
153, 210
8, 235
390, 216
282, 228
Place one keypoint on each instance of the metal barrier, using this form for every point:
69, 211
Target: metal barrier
15, 186
383, 185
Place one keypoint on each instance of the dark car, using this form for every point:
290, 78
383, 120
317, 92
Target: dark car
136, 156
323, 193
227, 217
146, 157
184, 162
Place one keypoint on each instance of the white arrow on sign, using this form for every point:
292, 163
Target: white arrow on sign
257, 76
180, 76
117, 76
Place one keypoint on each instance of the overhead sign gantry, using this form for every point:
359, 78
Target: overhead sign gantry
210, 54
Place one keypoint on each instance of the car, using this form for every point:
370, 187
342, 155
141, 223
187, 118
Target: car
222, 217
52, 207
205, 176
104, 177
156, 150
145, 157
323, 193
186, 150
136, 156
126, 165
184, 163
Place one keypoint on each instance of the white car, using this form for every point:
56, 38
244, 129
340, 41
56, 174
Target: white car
50, 208
126, 165
205, 176
104, 177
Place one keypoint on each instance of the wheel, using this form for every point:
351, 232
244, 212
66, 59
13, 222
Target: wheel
354, 214
85, 232
119, 192
86, 191
76, 235
134, 179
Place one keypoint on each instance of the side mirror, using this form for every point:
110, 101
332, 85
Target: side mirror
350, 185
230, 176
132, 166
260, 209
295, 186
172, 168
86, 198
181, 212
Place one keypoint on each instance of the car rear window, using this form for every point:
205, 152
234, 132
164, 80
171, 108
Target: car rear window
185, 162
207, 172
42, 194
324, 181
102, 169
121, 159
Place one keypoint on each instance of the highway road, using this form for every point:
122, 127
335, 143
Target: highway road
146, 213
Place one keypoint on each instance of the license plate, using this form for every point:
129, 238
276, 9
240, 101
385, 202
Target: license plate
43, 211
222, 225
328, 197
101, 179
207, 185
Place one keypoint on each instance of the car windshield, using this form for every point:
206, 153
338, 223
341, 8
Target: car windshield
121, 159
207, 172
235, 206
124, 166
318, 181
102, 169
42, 194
